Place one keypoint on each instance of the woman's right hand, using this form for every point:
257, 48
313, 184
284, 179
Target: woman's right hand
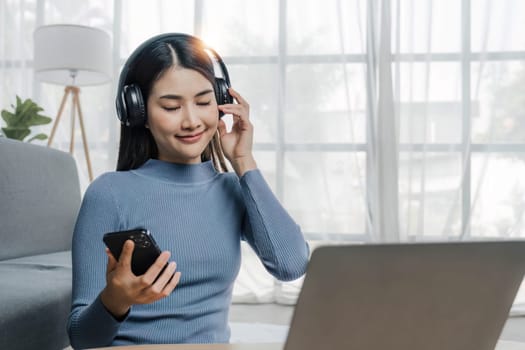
124, 289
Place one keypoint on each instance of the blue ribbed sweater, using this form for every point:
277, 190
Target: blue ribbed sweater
200, 216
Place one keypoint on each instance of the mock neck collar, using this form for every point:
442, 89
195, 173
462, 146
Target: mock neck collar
177, 173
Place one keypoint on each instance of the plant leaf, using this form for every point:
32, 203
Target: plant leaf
25, 112
39, 120
38, 137
8, 117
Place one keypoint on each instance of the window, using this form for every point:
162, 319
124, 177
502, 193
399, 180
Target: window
458, 69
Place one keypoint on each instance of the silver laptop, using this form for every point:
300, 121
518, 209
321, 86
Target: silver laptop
431, 296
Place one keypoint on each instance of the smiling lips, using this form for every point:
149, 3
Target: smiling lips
190, 138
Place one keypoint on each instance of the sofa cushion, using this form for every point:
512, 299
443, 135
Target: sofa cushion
35, 298
59, 259
40, 198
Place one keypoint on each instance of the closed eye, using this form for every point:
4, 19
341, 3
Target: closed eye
203, 103
171, 108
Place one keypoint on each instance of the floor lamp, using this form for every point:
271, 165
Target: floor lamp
74, 56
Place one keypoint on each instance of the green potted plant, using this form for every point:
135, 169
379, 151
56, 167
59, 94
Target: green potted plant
25, 115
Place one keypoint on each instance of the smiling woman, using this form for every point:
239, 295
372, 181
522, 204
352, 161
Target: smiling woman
172, 152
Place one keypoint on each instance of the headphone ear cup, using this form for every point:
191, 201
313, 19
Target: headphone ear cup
122, 110
134, 105
221, 93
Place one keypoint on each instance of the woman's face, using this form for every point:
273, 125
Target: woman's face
182, 115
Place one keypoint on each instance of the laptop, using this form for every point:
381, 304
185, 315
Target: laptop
414, 296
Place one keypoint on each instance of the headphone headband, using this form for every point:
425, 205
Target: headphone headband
130, 104
215, 56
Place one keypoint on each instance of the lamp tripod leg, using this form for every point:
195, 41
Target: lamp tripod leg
76, 100
59, 114
72, 142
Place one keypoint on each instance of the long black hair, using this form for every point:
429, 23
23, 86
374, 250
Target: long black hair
145, 66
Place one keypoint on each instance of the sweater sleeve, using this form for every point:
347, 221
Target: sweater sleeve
270, 231
90, 324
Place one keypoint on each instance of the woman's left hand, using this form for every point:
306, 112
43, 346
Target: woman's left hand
237, 144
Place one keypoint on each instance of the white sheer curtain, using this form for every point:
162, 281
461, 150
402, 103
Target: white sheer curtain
380, 120
18, 20
457, 67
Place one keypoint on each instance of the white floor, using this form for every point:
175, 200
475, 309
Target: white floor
266, 315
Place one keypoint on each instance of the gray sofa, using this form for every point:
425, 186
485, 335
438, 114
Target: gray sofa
39, 201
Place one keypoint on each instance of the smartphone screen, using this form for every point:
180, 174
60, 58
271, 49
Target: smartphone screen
146, 250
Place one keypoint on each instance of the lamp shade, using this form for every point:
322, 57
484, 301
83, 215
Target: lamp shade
62, 51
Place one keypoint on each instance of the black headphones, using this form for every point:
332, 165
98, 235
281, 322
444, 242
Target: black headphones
131, 109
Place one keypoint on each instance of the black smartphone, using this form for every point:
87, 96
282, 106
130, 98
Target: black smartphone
146, 250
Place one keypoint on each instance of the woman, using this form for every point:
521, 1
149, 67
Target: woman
171, 181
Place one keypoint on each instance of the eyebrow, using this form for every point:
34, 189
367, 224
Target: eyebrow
179, 97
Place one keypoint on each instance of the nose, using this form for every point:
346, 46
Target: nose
190, 118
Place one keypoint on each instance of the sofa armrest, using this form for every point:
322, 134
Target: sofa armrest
40, 199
